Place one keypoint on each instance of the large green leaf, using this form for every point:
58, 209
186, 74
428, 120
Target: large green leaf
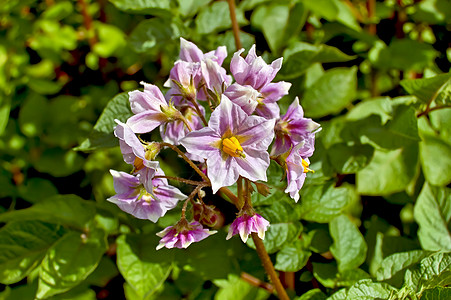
293, 257
434, 271
102, 134
388, 172
349, 247
425, 88
68, 210
438, 293
433, 215
397, 263
22, 246
322, 203
366, 290
331, 93
349, 159
300, 56
153, 34
435, 154
70, 261
152, 7
315, 294
328, 275
216, 17
144, 268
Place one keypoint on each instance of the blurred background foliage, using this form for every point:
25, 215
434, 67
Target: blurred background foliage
374, 218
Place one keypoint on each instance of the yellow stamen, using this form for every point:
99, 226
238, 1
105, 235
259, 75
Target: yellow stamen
232, 147
306, 168
138, 164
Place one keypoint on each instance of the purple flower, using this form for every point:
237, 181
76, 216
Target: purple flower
150, 109
191, 53
133, 198
293, 129
297, 166
183, 81
182, 234
173, 132
246, 224
233, 144
253, 73
253, 70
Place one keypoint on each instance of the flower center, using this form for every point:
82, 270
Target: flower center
138, 164
306, 168
232, 147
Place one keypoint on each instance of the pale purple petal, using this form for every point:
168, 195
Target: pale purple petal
246, 224
254, 165
227, 117
146, 121
269, 110
244, 96
217, 55
204, 142
222, 172
150, 99
273, 91
212, 76
190, 52
181, 238
256, 132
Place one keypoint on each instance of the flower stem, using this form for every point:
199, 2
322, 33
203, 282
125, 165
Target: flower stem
269, 268
189, 161
183, 119
199, 113
261, 251
235, 26
183, 180
427, 111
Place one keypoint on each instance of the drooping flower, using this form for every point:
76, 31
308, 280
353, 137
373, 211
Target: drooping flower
233, 144
150, 109
133, 196
292, 129
250, 73
183, 234
245, 224
297, 166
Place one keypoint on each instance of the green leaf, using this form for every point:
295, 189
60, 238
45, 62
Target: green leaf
388, 172
444, 94
150, 7
425, 88
401, 131
102, 134
235, 288
32, 116
433, 215
5, 108
189, 8
152, 35
435, 154
396, 264
331, 93
68, 210
37, 189
111, 40
70, 261
367, 290
216, 17
314, 294
59, 162
349, 159
292, 258
300, 56
434, 271
349, 247
438, 293
22, 247
322, 203
378, 106
144, 268
399, 55
328, 275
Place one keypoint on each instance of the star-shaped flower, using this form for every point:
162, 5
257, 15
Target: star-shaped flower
233, 144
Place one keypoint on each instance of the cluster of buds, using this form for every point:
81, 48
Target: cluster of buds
232, 145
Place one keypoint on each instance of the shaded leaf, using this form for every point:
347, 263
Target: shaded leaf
433, 215
425, 88
349, 247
